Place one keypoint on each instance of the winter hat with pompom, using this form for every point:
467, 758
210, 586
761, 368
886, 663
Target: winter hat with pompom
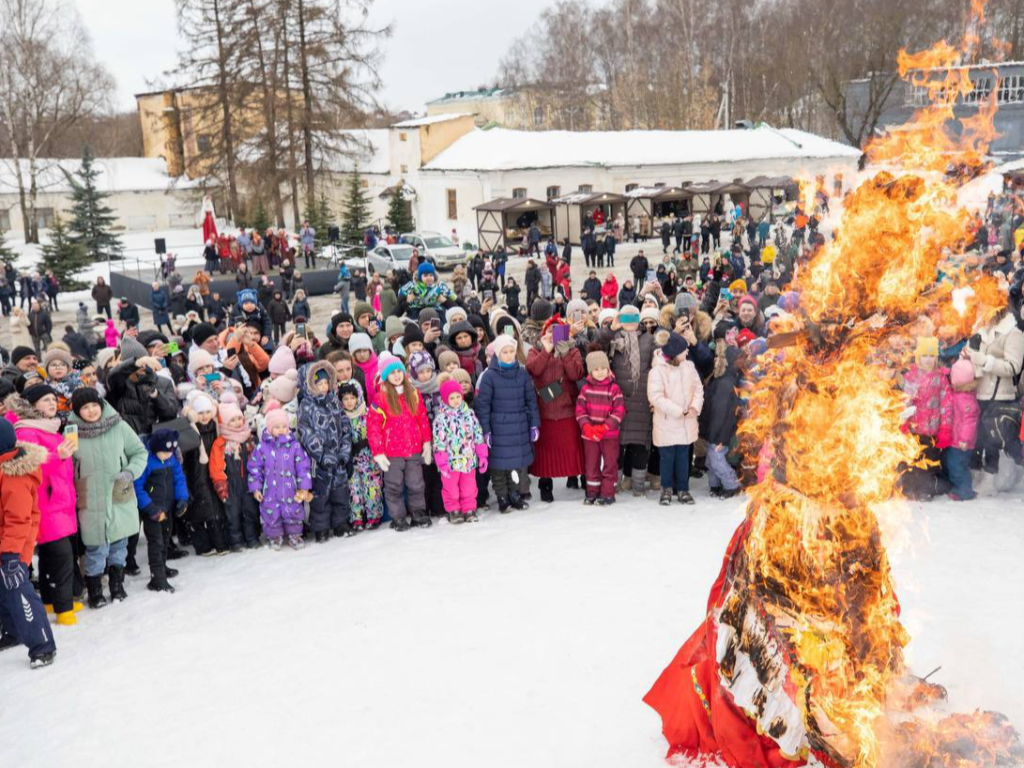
276, 417
284, 388
961, 373
447, 358
388, 364
200, 403
199, 358
229, 409
448, 388
503, 342
420, 360
282, 361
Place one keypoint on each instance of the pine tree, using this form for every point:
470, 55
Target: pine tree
399, 216
91, 219
356, 217
261, 221
64, 257
324, 215
7, 256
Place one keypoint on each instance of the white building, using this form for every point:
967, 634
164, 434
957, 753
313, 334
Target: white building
143, 196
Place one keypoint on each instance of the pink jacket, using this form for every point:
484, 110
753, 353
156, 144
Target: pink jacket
110, 335
57, 498
931, 392
966, 413
676, 395
369, 369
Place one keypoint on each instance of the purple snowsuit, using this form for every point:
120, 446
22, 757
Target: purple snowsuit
279, 467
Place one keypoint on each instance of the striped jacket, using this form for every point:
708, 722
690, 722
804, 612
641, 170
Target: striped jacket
601, 402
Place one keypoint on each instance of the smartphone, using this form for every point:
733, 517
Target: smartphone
488, 295
725, 294
301, 330
559, 333
171, 348
71, 433
652, 275
215, 376
435, 324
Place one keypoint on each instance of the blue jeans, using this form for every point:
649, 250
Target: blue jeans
675, 467
956, 464
97, 558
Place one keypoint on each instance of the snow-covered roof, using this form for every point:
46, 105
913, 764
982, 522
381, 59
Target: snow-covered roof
482, 93
431, 120
369, 150
117, 174
1011, 167
499, 149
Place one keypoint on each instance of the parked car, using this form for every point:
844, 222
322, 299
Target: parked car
387, 258
442, 252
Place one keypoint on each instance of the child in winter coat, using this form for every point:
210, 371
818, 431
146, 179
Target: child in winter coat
366, 490
399, 436
459, 450
600, 409
300, 307
966, 413
506, 405
719, 419
110, 335
22, 616
280, 480
423, 377
109, 458
161, 491
279, 315
205, 510
930, 406
360, 346
62, 378
228, 459
326, 434
676, 395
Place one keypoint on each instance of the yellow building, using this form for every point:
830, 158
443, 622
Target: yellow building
525, 109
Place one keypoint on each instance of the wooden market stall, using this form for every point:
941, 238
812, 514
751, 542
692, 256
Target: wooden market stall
503, 223
768, 194
646, 207
571, 211
708, 196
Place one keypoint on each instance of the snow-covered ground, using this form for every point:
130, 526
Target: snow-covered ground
525, 640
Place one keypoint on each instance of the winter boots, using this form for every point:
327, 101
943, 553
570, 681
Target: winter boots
42, 660
546, 489
115, 578
94, 585
456, 518
504, 505
626, 483
295, 541
666, 497
517, 501
171, 572
401, 525
639, 483
590, 500
423, 521
276, 543
685, 498
653, 482
67, 619
158, 582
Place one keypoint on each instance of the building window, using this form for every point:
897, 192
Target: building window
631, 187
586, 189
538, 116
659, 184
453, 205
402, 136
916, 95
554, 192
982, 91
1011, 89
5, 221
404, 168
204, 142
44, 217
519, 192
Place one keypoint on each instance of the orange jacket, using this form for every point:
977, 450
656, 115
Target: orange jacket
20, 478
256, 353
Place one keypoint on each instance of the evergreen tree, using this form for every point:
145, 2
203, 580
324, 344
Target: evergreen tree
91, 218
7, 256
64, 257
261, 221
356, 217
324, 215
399, 215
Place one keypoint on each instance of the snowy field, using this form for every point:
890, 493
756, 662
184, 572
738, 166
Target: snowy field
525, 640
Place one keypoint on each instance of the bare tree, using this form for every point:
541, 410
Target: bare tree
48, 81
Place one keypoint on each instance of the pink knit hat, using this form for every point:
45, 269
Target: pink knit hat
449, 388
285, 387
282, 361
228, 408
961, 373
276, 417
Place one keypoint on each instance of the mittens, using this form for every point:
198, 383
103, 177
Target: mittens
383, 462
588, 432
428, 453
534, 434
220, 487
441, 459
481, 456
180, 508
12, 571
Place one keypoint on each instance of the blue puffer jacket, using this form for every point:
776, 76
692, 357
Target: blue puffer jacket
160, 486
506, 406
324, 430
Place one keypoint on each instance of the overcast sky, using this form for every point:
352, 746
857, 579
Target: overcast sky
437, 46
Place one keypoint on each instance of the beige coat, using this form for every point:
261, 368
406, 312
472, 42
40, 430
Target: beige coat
998, 360
676, 396
20, 337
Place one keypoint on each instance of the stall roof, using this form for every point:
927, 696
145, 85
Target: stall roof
590, 198
660, 193
768, 182
514, 205
717, 188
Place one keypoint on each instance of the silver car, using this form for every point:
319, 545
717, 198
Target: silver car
440, 250
389, 258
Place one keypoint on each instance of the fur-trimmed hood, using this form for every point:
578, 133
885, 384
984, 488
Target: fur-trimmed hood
309, 371
27, 459
20, 407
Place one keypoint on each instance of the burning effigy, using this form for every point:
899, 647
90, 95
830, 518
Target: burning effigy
800, 656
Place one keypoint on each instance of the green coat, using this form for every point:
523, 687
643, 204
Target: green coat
388, 302
98, 461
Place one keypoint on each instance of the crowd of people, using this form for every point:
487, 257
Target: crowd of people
230, 425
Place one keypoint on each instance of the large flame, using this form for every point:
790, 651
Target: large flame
814, 564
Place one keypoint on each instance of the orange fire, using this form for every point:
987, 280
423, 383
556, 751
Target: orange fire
814, 564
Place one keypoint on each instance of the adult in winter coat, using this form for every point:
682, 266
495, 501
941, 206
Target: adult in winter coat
592, 288
35, 421
610, 292
160, 303
676, 396
21, 335
555, 368
639, 266
506, 407
40, 326
109, 458
132, 391
128, 313
997, 352
630, 353
719, 419
102, 294
22, 616
532, 280
205, 511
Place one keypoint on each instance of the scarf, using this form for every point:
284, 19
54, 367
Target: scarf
631, 349
425, 388
91, 429
356, 412
234, 438
43, 425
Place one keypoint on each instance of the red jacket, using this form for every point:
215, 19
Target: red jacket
546, 368
610, 294
601, 402
20, 478
397, 435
